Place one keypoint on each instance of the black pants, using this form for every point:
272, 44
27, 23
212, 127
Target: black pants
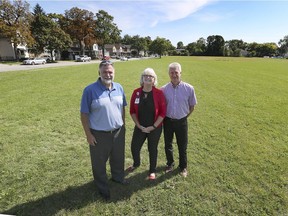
109, 146
180, 129
137, 142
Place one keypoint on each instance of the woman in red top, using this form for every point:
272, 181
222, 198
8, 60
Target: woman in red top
147, 109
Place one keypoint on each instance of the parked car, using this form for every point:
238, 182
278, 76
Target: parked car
123, 58
48, 58
83, 58
33, 61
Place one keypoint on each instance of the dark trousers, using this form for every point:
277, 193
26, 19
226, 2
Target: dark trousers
180, 129
137, 142
109, 146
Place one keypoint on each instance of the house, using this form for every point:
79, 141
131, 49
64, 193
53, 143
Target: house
7, 50
118, 49
94, 52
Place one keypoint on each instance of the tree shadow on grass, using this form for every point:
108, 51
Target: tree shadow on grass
80, 196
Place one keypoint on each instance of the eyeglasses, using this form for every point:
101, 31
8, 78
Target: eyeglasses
105, 62
150, 76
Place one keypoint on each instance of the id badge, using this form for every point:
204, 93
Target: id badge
137, 101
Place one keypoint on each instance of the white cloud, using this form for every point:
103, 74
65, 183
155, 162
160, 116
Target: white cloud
147, 13
175, 10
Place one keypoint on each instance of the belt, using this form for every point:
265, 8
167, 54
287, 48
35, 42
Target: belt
174, 120
110, 131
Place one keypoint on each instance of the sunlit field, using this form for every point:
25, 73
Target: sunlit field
237, 150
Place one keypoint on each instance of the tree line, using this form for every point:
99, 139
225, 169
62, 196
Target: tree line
39, 31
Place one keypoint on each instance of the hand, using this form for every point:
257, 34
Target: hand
147, 129
91, 140
143, 129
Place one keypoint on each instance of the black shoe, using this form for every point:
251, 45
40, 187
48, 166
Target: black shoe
105, 195
124, 182
131, 169
169, 169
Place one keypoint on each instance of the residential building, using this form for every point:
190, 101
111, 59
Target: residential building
7, 50
95, 52
118, 49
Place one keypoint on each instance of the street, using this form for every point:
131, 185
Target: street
20, 66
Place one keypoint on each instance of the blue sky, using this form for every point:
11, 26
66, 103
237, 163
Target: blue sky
188, 20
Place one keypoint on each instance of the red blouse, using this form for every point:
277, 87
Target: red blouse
159, 102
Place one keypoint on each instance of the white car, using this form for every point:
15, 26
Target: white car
48, 58
123, 58
83, 58
33, 61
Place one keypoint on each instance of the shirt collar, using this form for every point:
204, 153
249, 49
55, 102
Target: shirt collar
103, 87
176, 85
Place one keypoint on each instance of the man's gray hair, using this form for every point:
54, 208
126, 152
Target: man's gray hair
175, 65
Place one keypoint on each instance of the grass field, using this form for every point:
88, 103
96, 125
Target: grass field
237, 150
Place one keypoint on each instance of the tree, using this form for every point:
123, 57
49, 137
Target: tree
197, 48
252, 49
160, 46
260, 50
14, 23
38, 10
106, 31
267, 49
234, 47
127, 39
148, 42
201, 46
283, 46
191, 47
57, 39
47, 32
80, 25
215, 45
139, 44
38, 29
180, 45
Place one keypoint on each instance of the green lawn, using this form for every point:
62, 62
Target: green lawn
238, 142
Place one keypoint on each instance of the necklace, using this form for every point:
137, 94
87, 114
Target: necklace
146, 94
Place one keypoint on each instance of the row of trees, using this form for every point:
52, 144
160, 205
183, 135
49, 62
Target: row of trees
215, 45
59, 31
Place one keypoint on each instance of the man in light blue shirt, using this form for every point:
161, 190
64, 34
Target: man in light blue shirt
180, 99
102, 118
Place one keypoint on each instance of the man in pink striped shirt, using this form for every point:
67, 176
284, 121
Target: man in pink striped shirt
181, 99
